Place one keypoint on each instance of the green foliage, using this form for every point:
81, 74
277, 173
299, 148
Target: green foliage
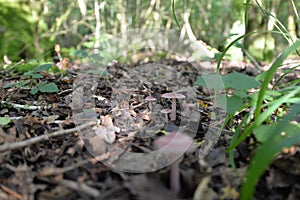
24, 67
20, 84
44, 87
237, 82
34, 74
273, 129
287, 97
240, 81
275, 138
16, 30
4, 121
263, 48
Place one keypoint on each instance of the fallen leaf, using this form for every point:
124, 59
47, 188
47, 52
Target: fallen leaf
229, 193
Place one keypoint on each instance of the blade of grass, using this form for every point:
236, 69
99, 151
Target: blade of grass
234, 138
265, 154
262, 117
174, 15
270, 75
281, 28
239, 38
247, 5
283, 75
228, 47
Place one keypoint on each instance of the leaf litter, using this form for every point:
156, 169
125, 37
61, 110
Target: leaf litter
59, 165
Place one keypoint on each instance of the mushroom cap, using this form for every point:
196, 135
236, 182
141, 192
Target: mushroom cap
173, 95
176, 143
187, 106
150, 98
166, 110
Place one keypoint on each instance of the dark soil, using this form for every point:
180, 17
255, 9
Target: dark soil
65, 166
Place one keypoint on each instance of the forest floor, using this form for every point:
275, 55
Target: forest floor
48, 150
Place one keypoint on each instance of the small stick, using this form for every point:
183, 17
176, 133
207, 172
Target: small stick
24, 143
11, 192
26, 107
82, 187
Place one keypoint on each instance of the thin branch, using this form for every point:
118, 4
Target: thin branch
82, 187
11, 192
26, 107
24, 143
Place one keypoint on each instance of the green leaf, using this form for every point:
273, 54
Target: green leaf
270, 75
229, 104
79, 53
40, 84
261, 132
33, 75
212, 81
17, 84
273, 145
44, 67
265, 154
49, 88
240, 81
10, 85
23, 83
4, 120
37, 76
34, 90
240, 94
28, 74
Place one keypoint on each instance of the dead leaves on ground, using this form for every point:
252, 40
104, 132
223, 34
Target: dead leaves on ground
63, 168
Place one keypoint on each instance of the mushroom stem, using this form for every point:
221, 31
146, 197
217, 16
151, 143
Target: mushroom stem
175, 177
173, 113
150, 105
166, 117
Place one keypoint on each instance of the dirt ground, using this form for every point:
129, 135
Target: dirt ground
50, 150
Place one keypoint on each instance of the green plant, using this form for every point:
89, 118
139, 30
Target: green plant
236, 85
273, 129
44, 87
276, 137
30, 83
4, 121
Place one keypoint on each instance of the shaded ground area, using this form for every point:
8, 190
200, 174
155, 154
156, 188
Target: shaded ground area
60, 164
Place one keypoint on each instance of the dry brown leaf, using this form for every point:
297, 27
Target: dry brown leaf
230, 192
96, 145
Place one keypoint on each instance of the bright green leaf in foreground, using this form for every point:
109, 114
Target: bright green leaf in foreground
230, 104
281, 135
4, 120
261, 132
240, 81
212, 81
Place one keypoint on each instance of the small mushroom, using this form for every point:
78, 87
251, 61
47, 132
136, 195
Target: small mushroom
150, 99
173, 96
166, 111
175, 144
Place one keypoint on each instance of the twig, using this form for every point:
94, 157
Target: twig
26, 107
82, 187
24, 143
11, 192
51, 171
254, 62
65, 91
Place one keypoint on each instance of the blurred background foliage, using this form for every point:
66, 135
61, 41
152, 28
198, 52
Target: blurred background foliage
31, 28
